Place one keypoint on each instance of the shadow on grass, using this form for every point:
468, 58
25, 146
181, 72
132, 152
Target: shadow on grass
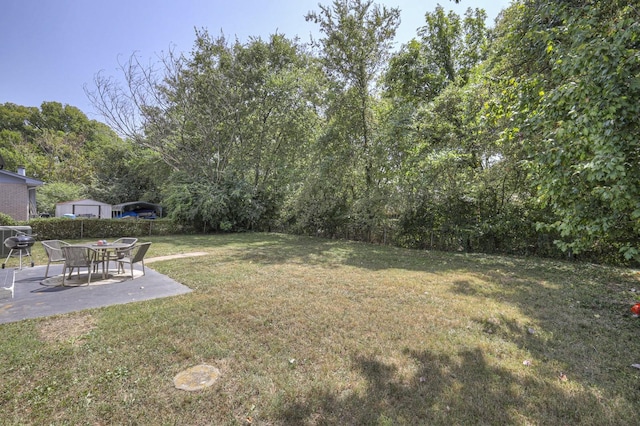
576, 318
271, 249
447, 389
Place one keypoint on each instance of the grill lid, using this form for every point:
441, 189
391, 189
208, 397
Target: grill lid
19, 241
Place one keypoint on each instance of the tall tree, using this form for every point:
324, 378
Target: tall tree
230, 118
357, 42
224, 105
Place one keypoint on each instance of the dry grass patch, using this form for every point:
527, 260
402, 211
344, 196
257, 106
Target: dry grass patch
71, 328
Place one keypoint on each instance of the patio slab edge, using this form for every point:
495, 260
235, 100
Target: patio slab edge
31, 299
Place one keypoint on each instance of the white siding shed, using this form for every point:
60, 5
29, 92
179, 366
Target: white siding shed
84, 208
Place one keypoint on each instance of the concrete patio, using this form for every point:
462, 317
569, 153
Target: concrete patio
34, 296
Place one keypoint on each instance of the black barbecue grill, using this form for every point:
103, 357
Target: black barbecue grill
21, 245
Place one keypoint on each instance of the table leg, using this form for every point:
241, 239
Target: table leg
105, 260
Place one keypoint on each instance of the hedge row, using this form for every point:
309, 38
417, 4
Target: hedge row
68, 229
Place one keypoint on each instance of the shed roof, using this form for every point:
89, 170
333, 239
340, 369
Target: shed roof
85, 202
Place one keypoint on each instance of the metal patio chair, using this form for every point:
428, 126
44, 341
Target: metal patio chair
120, 253
79, 257
53, 248
135, 256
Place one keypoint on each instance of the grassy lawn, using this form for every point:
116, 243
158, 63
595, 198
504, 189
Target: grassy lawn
310, 332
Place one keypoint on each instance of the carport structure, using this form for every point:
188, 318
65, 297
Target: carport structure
138, 209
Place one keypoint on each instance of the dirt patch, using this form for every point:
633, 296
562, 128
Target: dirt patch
70, 328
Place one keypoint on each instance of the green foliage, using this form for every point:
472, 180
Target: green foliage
581, 120
501, 139
463, 186
6, 220
127, 172
448, 49
47, 196
319, 208
357, 39
67, 229
349, 157
55, 143
56, 117
244, 107
76, 157
229, 205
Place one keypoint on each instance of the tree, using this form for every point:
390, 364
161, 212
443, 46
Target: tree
125, 172
52, 193
573, 82
242, 112
55, 143
461, 186
447, 50
357, 42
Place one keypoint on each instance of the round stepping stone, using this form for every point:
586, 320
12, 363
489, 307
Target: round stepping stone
196, 378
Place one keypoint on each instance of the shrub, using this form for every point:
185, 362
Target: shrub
62, 228
6, 220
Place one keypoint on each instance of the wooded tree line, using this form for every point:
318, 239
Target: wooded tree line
521, 137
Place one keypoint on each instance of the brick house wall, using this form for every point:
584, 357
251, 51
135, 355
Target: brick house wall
14, 200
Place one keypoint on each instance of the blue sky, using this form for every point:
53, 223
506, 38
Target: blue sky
49, 49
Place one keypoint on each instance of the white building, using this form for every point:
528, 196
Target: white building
84, 208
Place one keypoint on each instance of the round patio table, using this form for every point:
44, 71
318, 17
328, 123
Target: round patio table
104, 253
